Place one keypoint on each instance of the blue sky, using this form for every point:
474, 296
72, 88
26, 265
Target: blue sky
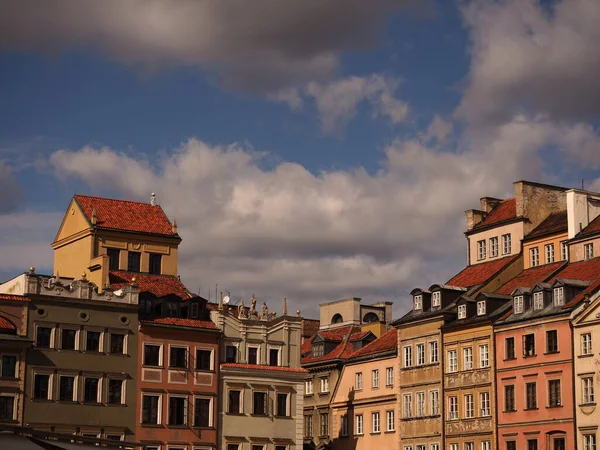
429, 109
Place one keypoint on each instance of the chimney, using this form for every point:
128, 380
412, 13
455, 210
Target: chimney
153, 199
578, 211
474, 216
174, 226
489, 203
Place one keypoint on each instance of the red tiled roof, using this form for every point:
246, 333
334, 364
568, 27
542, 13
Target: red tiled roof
6, 325
593, 287
358, 336
310, 327
554, 223
16, 298
158, 285
343, 350
480, 273
125, 215
262, 367
180, 322
386, 343
582, 270
307, 345
529, 277
506, 209
593, 227
337, 334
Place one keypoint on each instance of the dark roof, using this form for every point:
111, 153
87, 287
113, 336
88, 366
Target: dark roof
553, 224
592, 228
344, 335
157, 285
180, 322
474, 320
529, 277
413, 316
262, 367
387, 342
505, 210
310, 327
477, 274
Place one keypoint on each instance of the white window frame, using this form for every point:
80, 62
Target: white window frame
481, 250
534, 256
468, 358
186, 408
17, 362
308, 386
418, 302
589, 441
77, 337
279, 354
469, 445
390, 420
389, 376
420, 400
420, 354
375, 378
518, 304
100, 391
481, 308
344, 425
462, 311
486, 445
125, 335
161, 362
549, 250
484, 403
469, 406
407, 352
434, 446
586, 344
14, 400
324, 384
587, 389
538, 300
494, 247
433, 352
506, 244
50, 384
187, 352
75, 377
52, 335
558, 296
588, 250
212, 357
358, 381
436, 298
376, 422
452, 361
484, 356
210, 409
564, 250
258, 360
453, 408
407, 406
360, 430
453, 446
159, 412
434, 402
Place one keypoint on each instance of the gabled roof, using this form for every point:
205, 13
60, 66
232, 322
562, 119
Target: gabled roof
157, 285
180, 322
388, 342
477, 274
505, 210
553, 224
592, 228
343, 335
6, 326
262, 367
126, 215
529, 277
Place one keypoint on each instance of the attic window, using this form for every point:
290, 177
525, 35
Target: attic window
317, 350
436, 298
418, 302
558, 296
538, 300
462, 311
370, 318
518, 304
481, 308
337, 318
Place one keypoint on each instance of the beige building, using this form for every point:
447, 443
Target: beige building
261, 382
363, 404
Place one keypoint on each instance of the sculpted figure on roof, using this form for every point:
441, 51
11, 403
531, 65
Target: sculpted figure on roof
252, 311
241, 309
264, 312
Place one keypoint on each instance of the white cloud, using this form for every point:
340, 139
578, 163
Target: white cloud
439, 129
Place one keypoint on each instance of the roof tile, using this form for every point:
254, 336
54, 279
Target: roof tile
476, 274
6, 325
158, 285
387, 342
506, 210
529, 277
262, 367
181, 322
554, 223
588, 270
593, 227
16, 298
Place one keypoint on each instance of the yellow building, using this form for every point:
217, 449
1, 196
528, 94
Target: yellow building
100, 235
547, 243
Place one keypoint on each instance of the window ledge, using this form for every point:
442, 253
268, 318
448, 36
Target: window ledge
375, 433
92, 404
8, 379
587, 404
113, 405
203, 371
259, 415
510, 359
283, 417
389, 431
235, 414
177, 426
587, 355
555, 406
531, 409
552, 353
509, 411
148, 366
152, 425
202, 428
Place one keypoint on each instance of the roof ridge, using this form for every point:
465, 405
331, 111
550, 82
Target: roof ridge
116, 200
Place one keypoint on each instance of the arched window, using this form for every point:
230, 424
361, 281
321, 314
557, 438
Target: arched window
370, 317
337, 318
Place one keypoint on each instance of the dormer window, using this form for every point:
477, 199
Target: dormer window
518, 304
436, 299
534, 256
588, 250
538, 300
418, 302
480, 250
481, 308
317, 350
493, 247
462, 311
558, 296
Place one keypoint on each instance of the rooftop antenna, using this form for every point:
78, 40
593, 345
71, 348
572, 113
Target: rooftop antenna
153, 199
582, 184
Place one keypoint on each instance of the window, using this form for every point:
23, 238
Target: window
452, 361
259, 403
558, 297
194, 307
390, 421
506, 244
92, 341
66, 389
344, 426
376, 425
518, 304
375, 378
178, 410
589, 442
308, 426
462, 311
41, 387
178, 357
203, 359
436, 299
587, 385
588, 250
551, 341
9, 366
389, 376
43, 337
511, 445
586, 344
529, 345
230, 354
509, 345
531, 392
486, 445
509, 398
117, 343
420, 354
421, 447
282, 405
534, 256
558, 444
434, 402
407, 356
452, 408
252, 355
549, 253
554, 393
453, 446
469, 406
152, 355
234, 401
420, 404
202, 412
434, 447
113, 258
7, 407
155, 263
484, 403
318, 350
273, 357
418, 301
468, 358
564, 250
90, 390
308, 387
493, 247
68, 339
150, 409
480, 250
484, 356
359, 424
532, 444
407, 403
115, 392
324, 384
538, 300
433, 352
481, 308
469, 446
133, 261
